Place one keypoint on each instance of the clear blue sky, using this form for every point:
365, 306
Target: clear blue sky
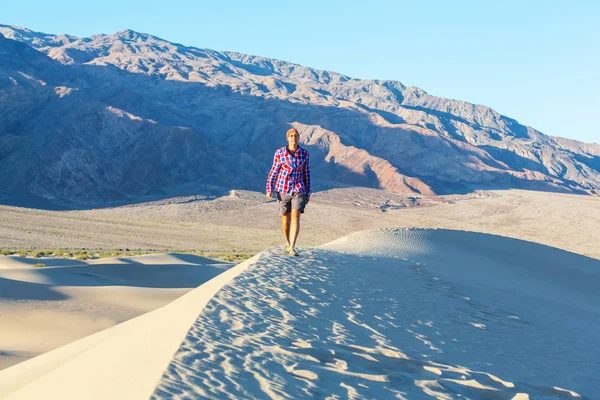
535, 61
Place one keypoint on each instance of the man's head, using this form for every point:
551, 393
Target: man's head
292, 137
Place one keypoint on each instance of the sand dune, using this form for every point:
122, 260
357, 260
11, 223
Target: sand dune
407, 313
45, 308
379, 314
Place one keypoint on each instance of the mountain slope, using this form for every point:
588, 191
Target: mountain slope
113, 117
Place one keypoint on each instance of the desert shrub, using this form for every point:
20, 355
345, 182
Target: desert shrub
6, 252
237, 257
38, 254
39, 265
22, 253
82, 256
244, 256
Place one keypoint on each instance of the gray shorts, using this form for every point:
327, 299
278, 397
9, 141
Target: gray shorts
289, 202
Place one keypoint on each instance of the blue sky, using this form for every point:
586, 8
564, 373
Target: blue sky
535, 61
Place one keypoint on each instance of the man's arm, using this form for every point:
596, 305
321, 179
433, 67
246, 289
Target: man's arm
306, 176
273, 175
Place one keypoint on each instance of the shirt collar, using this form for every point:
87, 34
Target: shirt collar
298, 150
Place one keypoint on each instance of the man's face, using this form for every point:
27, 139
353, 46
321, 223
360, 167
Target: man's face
293, 139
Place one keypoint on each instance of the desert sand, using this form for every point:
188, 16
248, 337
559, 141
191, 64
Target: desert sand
44, 308
405, 313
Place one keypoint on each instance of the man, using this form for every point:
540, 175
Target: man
289, 178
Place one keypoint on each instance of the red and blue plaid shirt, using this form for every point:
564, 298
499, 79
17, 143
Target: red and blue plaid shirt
289, 174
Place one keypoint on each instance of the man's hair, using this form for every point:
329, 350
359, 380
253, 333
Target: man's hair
290, 131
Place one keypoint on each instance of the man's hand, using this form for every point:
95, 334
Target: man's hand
269, 195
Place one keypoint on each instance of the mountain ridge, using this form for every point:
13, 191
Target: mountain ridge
374, 133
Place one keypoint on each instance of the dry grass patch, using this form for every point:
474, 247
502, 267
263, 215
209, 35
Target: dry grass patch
85, 254
232, 256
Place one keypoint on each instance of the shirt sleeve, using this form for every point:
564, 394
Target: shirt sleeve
306, 175
274, 172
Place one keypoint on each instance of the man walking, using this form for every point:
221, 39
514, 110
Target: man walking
289, 178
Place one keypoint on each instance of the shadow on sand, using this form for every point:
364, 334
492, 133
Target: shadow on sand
153, 271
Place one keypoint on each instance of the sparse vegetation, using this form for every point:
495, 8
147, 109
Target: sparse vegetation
236, 257
226, 256
81, 254
39, 265
38, 254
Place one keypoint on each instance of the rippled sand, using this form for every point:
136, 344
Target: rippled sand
392, 313
399, 313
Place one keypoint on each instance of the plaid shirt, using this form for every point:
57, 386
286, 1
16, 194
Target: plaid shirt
289, 174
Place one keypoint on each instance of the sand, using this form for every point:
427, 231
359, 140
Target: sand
89, 307
404, 313
45, 308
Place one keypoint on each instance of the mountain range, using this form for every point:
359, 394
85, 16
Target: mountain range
108, 119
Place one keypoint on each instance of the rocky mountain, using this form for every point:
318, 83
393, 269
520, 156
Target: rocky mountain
110, 118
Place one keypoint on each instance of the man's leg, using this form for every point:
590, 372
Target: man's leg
295, 227
285, 226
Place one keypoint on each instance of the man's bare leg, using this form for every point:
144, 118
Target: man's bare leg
295, 227
285, 226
